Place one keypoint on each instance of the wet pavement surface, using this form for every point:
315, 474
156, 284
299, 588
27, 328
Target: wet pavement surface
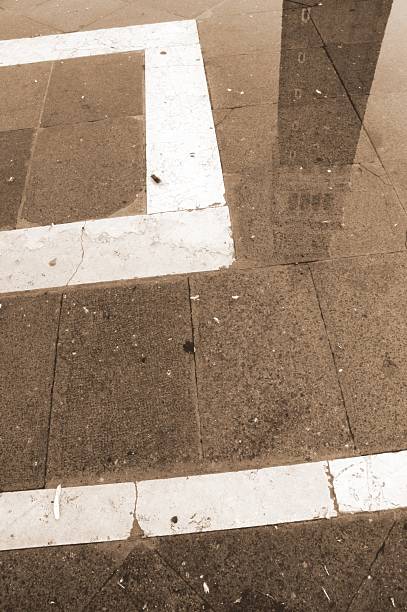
296, 353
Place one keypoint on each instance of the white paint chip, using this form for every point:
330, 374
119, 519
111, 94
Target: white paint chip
370, 483
234, 500
87, 514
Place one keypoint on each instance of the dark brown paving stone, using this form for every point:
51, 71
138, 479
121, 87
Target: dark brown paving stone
18, 26
125, 385
58, 578
385, 588
87, 171
15, 151
351, 21
303, 215
259, 138
93, 88
146, 582
293, 77
28, 331
364, 304
264, 31
280, 569
22, 91
267, 387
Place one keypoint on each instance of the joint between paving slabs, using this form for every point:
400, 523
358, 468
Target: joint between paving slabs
378, 553
333, 360
20, 219
197, 413
210, 607
53, 388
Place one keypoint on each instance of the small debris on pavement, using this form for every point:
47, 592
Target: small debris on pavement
156, 178
326, 594
194, 298
11, 179
216, 320
205, 588
235, 297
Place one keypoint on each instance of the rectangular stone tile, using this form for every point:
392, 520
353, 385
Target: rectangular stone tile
267, 386
15, 152
13, 25
364, 304
260, 138
22, 91
292, 77
266, 31
146, 582
69, 15
94, 88
28, 332
135, 13
87, 171
64, 578
351, 21
125, 383
385, 587
297, 568
303, 215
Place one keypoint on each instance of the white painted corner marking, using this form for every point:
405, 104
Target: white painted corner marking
181, 149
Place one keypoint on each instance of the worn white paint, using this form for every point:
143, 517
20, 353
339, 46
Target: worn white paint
86, 514
370, 483
97, 42
234, 500
209, 502
115, 249
181, 145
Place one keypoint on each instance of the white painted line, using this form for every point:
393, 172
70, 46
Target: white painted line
115, 249
181, 145
371, 483
97, 42
234, 500
98, 513
209, 502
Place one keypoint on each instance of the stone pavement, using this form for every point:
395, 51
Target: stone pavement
294, 353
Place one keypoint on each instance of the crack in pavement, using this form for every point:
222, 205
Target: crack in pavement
379, 552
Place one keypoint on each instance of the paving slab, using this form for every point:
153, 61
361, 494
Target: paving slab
57, 578
125, 384
146, 582
28, 335
135, 13
268, 136
13, 25
296, 568
94, 88
267, 386
15, 152
370, 67
293, 215
351, 21
22, 92
65, 15
364, 303
87, 171
264, 31
291, 77
385, 587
